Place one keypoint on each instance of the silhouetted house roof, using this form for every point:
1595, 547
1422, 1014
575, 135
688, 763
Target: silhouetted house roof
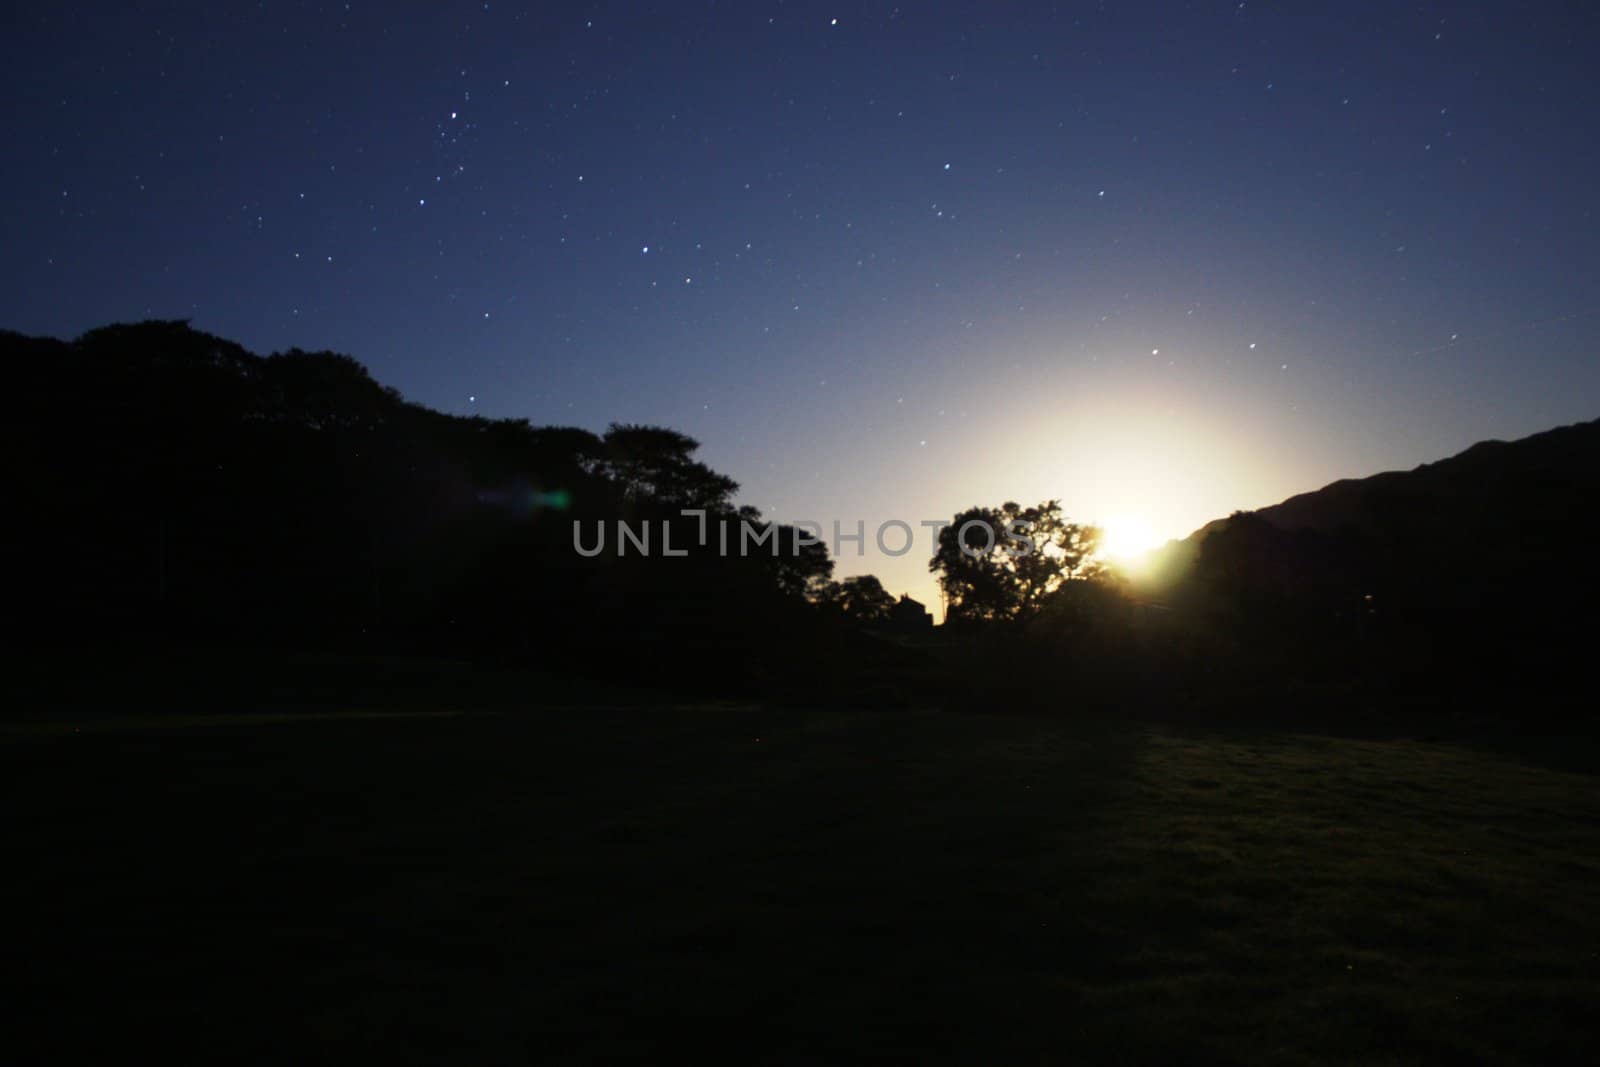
909, 614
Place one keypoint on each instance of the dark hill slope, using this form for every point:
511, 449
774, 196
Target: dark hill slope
1482, 562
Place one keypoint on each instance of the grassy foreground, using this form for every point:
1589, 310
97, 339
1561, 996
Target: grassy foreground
785, 886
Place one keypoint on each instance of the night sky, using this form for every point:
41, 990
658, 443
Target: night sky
1161, 261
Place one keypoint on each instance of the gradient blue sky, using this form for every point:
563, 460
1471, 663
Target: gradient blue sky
1158, 260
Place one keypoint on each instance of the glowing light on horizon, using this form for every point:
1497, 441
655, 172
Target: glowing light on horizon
1125, 538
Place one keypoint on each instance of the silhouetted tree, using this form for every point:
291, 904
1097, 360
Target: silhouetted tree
802, 562
654, 462
859, 598
998, 564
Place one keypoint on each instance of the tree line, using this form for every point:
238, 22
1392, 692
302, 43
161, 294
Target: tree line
171, 482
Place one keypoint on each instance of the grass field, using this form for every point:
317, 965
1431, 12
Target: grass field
790, 886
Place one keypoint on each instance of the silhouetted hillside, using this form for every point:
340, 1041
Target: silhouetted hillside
1484, 560
1540, 478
